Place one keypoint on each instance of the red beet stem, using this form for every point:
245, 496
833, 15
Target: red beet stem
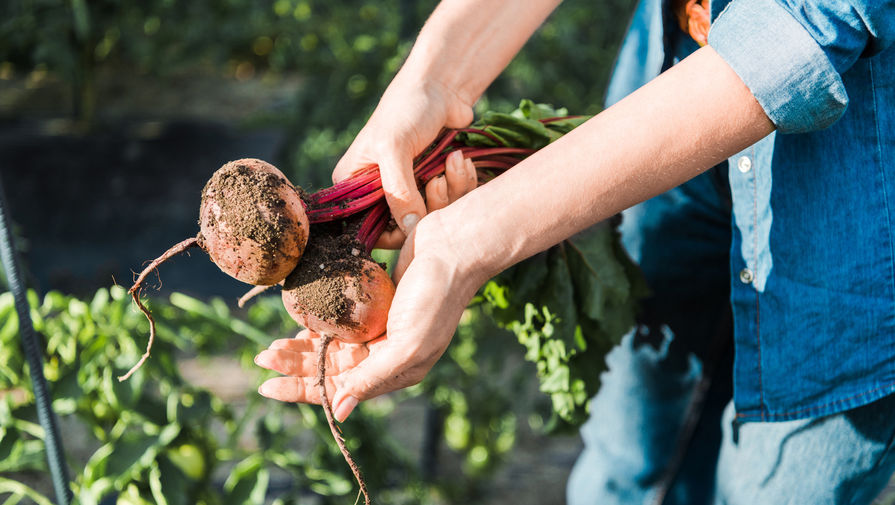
362, 191
373, 226
345, 208
557, 118
337, 191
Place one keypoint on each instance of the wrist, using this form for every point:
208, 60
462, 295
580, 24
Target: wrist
470, 267
454, 103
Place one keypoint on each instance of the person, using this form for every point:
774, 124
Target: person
790, 105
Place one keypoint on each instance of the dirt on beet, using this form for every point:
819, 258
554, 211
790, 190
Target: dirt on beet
238, 188
319, 279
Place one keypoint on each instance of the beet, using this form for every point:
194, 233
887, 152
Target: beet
252, 222
338, 290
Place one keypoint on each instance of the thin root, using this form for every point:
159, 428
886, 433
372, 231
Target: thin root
134, 291
136, 296
252, 293
328, 412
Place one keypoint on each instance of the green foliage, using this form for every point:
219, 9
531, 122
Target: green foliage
157, 438
569, 305
346, 52
523, 127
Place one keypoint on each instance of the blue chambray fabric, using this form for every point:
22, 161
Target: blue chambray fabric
813, 207
812, 261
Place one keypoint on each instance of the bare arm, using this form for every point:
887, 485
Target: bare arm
464, 45
682, 123
690, 118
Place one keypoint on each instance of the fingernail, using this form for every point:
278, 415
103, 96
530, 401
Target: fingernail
441, 187
260, 359
264, 390
409, 222
345, 407
455, 155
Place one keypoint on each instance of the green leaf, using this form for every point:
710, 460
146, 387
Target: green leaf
20, 491
168, 484
247, 482
81, 16
95, 469
134, 452
568, 306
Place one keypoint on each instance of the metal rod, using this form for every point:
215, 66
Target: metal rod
45, 415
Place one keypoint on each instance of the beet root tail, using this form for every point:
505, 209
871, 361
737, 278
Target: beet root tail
252, 293
134, 291
330, 419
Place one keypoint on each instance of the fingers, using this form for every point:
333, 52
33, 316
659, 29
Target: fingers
401, 192
418, 333
296, 389
391, 368
437, 194
298, 356
304, 363
460, 174
404, 259
459, 178
344, 168
391, 239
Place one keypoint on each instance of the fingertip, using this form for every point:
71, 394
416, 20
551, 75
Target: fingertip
343, 406
392, 239
436, 194
266, 388
401, 191
409, 222
454, 158
341, 171
457, 177
471, 174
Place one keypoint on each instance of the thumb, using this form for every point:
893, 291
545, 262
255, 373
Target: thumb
401, 192
383, 371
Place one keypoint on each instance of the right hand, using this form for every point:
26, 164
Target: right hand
407, 119
436, 280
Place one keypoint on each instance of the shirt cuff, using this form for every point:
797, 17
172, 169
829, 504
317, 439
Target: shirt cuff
781, 64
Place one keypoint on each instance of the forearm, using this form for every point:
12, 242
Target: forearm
465, 44
687, 120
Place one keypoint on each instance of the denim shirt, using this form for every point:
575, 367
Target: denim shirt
813, 253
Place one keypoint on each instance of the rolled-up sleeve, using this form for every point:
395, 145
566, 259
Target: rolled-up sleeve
791, 54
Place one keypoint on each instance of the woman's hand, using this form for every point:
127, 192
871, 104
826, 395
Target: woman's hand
409, 116
435, 287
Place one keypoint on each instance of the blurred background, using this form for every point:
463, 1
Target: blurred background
113, 114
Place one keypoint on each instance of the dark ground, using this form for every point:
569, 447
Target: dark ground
92, 205
91, 209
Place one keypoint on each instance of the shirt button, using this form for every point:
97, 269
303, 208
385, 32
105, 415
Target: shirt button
744, 164
746, 276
